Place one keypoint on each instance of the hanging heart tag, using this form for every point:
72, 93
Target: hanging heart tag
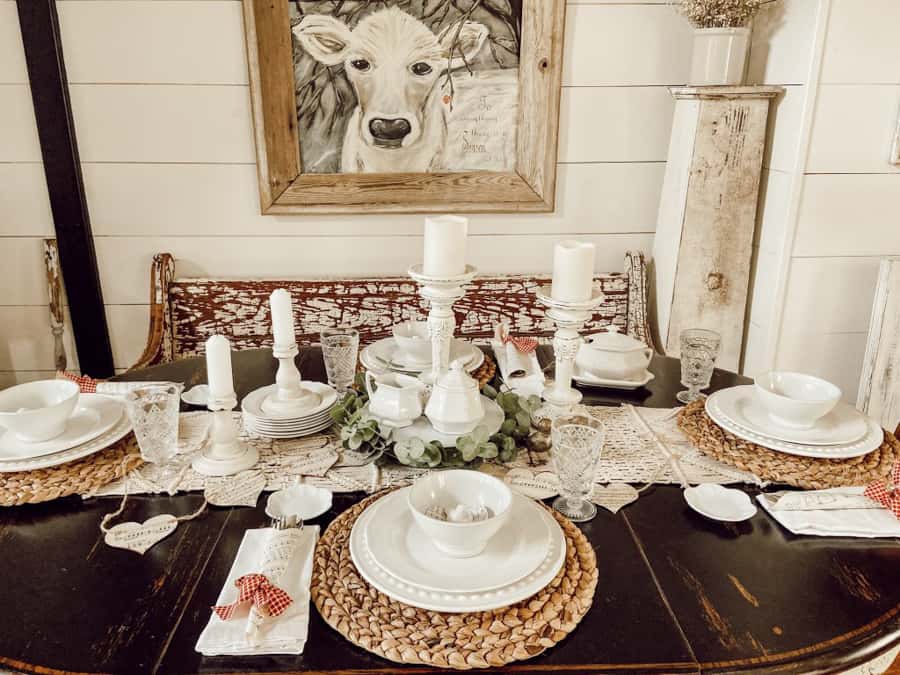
139, 537
614, 496
315, 463
242, 489
537, 486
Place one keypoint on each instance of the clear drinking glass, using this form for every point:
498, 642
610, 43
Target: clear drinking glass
153, 411
340, 348
577, 443
699, 351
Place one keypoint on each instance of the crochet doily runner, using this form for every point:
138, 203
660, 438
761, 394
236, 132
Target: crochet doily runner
404, 634
809, 473
83, 476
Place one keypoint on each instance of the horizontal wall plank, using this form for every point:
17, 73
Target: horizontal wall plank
615, 124
163, 123
154, 41
22, 275
862, 43
782, 42
849, 215
18, 130
836, 357
25, 202
208, 199
656, 40
128, 328
10, 377
853, 129
12, 55
125, 261
26, 342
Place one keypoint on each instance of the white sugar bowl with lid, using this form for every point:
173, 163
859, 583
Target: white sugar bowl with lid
613, 356
455, 405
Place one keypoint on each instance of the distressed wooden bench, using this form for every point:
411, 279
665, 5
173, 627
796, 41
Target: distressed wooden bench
185, 312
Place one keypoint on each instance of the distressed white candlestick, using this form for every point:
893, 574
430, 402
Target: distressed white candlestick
282, 318
445, 246
291, 398
573, 271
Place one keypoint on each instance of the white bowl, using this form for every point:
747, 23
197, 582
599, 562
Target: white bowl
37, 411
795, 400
450, 488
413, 340
303, 501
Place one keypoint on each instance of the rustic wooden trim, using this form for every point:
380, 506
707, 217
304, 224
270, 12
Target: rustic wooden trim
160, 346
55, 293
284, 189
39, 24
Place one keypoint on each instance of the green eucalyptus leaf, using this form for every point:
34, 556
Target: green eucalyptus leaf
507, 426
488, 450
523, 419
489, 391
469, 451
509, 402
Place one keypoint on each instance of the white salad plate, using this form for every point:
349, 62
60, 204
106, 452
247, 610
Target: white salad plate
874, 437
720, 503
586, 379
844, 424
399, 546
456, 601
422, 427
385, 355
295, 432
253, 401
120, 429
93, 415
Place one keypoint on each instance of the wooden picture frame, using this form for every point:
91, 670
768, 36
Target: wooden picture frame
285, 189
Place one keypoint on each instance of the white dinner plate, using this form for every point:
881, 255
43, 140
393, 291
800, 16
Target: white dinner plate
284, 424
447, 601
298, 433
422, 427
399, 547
94, 415
252, 401
585, 379
874, 437
120, 429
380, 356
844, 424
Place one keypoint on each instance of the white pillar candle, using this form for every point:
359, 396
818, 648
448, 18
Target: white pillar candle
573, 271
445, 246
282, 318
218, 367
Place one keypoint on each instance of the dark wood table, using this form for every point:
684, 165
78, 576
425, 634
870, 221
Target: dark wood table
676, 593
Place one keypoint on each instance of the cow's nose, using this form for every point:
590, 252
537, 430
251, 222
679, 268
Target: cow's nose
389, 130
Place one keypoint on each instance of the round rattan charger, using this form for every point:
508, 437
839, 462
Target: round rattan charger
809, 473
81, 476
405, 634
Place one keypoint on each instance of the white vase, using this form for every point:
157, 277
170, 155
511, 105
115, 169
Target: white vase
720, 55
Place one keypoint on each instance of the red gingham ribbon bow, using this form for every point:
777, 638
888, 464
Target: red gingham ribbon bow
87, 385
526, 345
887, 491
259, 591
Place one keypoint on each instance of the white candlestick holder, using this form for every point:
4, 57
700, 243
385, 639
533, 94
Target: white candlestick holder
569, 318
441, 292
224, 453
290, 398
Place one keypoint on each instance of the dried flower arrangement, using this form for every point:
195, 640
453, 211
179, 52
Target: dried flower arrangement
719, 13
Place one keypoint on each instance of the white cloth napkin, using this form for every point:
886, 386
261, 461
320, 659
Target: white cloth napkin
285, 634
838, 512
122, 388
521, 372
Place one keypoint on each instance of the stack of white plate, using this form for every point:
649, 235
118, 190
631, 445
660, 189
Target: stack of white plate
97, 422
386, 355
398, 559
312, 421
843, 433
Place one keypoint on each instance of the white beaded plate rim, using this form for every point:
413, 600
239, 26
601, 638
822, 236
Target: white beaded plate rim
398, 546
440, 601
252, 401
121, 429
872, 440
293, 424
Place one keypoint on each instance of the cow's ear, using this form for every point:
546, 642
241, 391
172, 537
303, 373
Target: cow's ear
324, 38
465, 45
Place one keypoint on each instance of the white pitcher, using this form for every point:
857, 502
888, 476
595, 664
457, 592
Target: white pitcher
395, 398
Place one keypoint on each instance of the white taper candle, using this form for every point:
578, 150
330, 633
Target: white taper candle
282, 318
445, 246
218, 367
573, 271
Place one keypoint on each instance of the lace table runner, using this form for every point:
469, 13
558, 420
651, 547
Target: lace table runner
643, 445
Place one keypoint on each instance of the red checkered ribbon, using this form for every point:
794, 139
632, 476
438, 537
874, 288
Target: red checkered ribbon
526, 345
259, 591
88, 385
887, 491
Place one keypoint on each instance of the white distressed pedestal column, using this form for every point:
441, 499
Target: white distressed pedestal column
707, 214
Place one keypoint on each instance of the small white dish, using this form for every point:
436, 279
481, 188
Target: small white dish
381, 355
302, 501
197, 395
720, 503
38, 411
253, 401
413, 341
795, 400
588, 380
449, 489
424, 429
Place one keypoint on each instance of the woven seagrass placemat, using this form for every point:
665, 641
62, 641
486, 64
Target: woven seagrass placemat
81, 476
805, 472
405, 634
